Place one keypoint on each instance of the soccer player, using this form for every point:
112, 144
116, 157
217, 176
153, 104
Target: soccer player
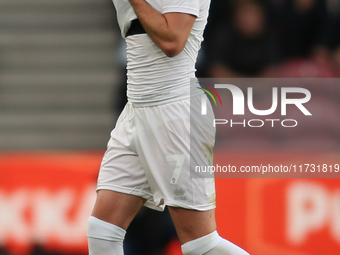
147, 161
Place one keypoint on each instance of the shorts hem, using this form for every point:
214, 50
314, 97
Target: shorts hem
151, 204
149, 198
205, 207
124, 190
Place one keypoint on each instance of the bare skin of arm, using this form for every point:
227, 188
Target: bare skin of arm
169, 31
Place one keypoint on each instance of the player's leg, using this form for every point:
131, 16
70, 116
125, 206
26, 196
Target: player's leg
117, 208
185, 222
197, 233
122, 189
112, 214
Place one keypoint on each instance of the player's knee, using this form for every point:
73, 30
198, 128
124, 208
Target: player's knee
212, 244
201, 245
99, 229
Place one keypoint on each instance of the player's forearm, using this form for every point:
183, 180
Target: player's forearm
165, 36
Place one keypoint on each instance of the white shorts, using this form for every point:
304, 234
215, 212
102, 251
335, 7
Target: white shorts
149, 155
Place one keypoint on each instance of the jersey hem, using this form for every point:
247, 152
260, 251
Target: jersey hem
166, 101
162, 102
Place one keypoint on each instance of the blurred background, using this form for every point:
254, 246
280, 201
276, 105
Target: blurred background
62, 86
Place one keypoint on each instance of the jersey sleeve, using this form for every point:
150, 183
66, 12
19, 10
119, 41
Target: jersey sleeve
182, 6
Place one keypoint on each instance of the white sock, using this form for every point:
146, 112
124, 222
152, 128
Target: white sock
212, 244
104, 238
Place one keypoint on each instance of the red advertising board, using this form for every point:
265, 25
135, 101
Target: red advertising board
46, 198
279, 216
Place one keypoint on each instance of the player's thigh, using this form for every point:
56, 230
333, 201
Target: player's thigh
117, 208
192, 224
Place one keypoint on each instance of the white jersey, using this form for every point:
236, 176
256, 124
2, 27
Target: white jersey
152, 76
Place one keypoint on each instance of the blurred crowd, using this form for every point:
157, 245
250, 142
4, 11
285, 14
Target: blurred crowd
278, 39
272, 38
